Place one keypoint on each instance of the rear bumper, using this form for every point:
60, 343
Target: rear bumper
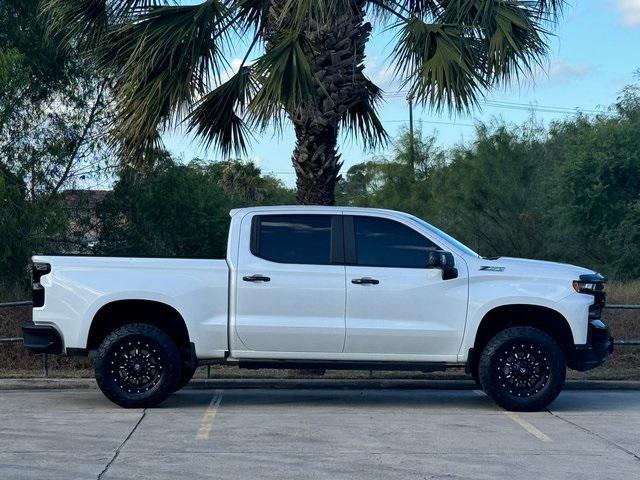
597, 349
41, 339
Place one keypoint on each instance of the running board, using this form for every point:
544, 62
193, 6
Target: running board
345, 365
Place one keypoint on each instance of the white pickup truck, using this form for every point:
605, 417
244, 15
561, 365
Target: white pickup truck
323, 288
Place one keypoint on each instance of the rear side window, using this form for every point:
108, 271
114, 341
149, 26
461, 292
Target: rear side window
302, 239
380, 242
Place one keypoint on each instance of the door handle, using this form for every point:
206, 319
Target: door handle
365, 281
256, 278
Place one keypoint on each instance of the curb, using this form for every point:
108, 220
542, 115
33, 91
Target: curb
306, 384
46, 383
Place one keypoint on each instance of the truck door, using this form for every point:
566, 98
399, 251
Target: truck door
291, 284
394, 304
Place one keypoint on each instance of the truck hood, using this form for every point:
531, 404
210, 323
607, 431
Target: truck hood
531, 268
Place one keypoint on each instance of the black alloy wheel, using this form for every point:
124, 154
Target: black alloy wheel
523, 368
137, 366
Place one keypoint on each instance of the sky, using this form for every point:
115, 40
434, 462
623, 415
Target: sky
594, 52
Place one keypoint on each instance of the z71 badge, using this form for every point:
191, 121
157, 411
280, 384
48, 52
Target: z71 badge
488, 268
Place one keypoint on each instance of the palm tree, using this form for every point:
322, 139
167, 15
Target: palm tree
303, 63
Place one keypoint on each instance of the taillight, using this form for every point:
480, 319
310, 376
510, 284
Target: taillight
37, 271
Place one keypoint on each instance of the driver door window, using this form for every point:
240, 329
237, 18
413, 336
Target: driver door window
380, 242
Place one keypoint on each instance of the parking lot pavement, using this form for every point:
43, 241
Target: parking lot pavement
316, 434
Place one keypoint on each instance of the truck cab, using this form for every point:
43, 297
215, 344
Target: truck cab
323, 288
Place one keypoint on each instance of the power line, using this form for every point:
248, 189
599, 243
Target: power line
518, 105
436, 122
489, 103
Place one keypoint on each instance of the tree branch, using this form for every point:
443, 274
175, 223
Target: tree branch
81, 139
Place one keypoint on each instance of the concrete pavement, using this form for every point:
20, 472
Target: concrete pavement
317, 434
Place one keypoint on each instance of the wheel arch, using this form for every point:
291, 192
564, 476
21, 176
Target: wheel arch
545, 318
121, 312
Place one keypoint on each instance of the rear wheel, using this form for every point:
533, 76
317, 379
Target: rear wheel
137, 366
522, 369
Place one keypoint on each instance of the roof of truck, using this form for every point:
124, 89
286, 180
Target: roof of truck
311, 208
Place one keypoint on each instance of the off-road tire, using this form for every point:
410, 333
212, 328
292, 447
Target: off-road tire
157, 355
475, 375
186, 374
522, 369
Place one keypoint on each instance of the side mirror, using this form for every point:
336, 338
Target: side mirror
443, 261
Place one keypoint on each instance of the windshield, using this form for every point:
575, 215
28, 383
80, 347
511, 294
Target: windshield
441, 234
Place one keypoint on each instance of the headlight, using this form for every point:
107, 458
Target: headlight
589, 283
586, 287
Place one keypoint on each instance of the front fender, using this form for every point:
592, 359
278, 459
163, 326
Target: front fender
485, 296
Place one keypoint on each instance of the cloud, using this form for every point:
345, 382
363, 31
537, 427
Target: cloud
630, 10
565, 72
381, 73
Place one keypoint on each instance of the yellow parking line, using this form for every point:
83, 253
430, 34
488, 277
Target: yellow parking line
528, 427
209, 416
522, 422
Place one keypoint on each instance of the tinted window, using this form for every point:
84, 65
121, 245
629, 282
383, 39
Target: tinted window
385, 243
294, 238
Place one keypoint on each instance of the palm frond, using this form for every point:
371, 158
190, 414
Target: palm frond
424, 8
387, 10
471, 45
285, 77
301, 14
162, 63
442, 66
515, 43
252, 14
85, 21
512, 31
550, 9
217, 118
361, 119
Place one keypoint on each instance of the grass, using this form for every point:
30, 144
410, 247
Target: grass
15, 362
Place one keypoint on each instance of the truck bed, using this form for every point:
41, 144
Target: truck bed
79, 286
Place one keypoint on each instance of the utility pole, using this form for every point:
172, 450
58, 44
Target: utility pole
411, 146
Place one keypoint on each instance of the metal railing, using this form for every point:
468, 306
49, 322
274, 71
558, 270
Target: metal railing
45, 358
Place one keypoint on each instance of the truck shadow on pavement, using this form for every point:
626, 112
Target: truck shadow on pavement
465, 400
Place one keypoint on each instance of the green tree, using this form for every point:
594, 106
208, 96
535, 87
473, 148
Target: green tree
52, 110
397, 181
490, 194
52, 106
304, 63
596, 199
14, 220
174, 210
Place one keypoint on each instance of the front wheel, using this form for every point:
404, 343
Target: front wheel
522, 369
186, 374
137, 366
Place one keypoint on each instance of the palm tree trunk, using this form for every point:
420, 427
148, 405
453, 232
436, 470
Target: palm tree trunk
336, 54
315, 159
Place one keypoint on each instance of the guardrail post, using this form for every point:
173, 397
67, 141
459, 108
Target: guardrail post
45, 365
